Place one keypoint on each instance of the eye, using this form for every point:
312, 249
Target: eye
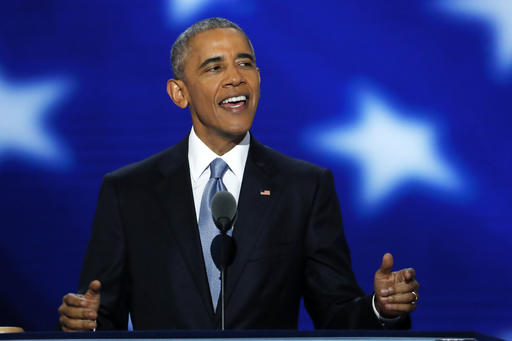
246, 64
213, 68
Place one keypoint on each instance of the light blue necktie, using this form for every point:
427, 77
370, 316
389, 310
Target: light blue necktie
207, 228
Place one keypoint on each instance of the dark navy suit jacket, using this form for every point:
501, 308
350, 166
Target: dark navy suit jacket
146, 251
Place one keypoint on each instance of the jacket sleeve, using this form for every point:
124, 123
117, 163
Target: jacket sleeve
105, 260
332, 296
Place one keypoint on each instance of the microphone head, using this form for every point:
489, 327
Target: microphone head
223, 210
223, 250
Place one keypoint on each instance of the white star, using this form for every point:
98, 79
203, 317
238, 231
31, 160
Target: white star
182, 11
185, 12
498, 15
391, 150
22, 121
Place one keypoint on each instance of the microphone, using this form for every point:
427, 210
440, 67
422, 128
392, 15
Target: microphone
224, 210
223, 251
224, 214
223, 248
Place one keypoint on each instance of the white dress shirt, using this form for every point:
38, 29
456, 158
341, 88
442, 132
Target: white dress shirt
199, 159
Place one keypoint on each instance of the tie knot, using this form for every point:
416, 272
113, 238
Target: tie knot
217, 168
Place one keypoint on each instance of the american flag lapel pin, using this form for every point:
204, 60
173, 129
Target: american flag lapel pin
265, 192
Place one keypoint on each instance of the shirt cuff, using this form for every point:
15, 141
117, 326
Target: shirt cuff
384, 321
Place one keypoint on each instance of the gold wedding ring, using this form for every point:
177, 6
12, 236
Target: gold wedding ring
415, 297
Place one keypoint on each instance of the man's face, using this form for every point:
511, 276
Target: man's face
222, 83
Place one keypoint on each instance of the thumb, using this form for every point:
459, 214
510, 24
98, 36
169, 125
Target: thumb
93, 293
387, 264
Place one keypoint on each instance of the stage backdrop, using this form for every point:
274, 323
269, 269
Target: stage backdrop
408, 102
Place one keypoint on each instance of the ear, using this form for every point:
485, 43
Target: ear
177, 92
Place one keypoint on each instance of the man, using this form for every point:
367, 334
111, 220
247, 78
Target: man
149, 249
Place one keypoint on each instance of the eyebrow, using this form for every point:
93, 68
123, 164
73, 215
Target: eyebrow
245, 55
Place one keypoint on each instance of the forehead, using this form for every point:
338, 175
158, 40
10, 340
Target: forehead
222, 42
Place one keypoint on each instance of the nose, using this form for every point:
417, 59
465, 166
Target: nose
234, 77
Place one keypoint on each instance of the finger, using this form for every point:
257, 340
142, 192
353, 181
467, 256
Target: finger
408, 274
408, 297
387, 264
400, 307
403, 287
403, 275
74, 300
76, 324
77, 312
94, 289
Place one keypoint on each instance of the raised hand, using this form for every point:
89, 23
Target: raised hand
79, 312
396, 291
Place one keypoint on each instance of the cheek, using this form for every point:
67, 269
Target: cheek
202, 102
202, 93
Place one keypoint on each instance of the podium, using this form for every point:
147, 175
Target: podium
256, 335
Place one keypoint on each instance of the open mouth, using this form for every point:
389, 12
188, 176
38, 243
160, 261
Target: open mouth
233, 103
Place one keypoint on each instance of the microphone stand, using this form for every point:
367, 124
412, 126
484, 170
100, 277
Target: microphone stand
226, 250
223, 271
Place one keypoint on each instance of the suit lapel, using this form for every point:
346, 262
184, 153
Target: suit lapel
253, 207
175, 194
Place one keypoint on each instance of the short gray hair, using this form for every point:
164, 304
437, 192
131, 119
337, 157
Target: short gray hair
180, 47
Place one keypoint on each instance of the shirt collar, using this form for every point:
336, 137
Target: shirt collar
200, 156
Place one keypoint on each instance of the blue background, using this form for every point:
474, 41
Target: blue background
408, 102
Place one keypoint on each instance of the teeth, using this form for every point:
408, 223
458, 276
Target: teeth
234, 99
